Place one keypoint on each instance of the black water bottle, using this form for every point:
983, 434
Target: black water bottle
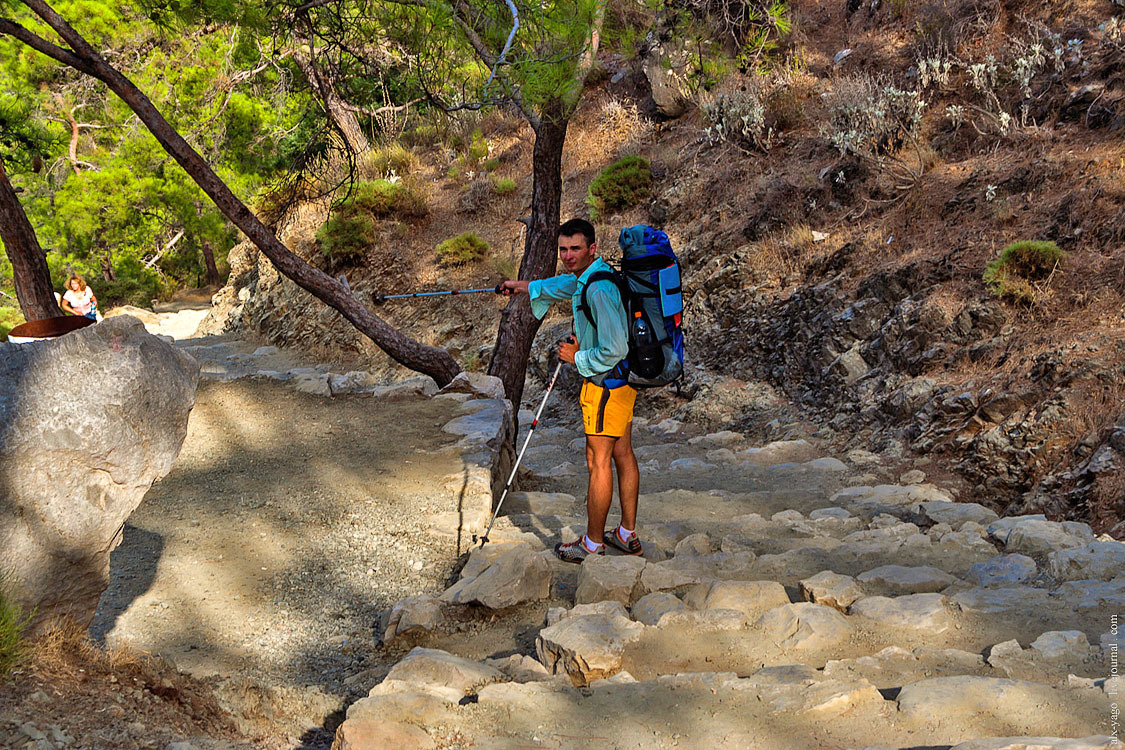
647, 361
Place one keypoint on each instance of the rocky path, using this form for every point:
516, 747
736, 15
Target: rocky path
784, 600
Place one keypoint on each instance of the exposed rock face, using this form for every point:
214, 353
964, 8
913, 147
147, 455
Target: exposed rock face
88, 422
859, 361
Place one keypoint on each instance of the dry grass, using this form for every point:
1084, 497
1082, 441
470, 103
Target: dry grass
788, 253
65, 650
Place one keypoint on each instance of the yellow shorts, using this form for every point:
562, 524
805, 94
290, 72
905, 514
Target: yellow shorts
607, 412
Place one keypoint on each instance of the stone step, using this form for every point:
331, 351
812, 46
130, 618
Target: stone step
505, 703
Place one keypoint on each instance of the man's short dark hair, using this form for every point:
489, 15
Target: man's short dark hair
578, 226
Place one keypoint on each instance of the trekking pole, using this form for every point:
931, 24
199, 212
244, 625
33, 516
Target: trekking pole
531, 430
381, 298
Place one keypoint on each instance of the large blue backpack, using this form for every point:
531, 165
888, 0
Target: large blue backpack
649, 281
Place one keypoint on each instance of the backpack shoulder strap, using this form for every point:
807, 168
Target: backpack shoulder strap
594, 278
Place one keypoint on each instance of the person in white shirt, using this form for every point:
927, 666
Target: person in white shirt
79, 298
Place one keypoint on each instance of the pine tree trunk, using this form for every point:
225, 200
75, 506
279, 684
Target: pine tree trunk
29, 263
517, 324
431, 361
345, 121
209, 263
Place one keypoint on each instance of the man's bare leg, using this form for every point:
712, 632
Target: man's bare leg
599, 491
628, 478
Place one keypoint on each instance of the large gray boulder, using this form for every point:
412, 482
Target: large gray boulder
88, 421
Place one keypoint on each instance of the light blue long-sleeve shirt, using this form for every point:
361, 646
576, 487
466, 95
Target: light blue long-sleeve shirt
600, 348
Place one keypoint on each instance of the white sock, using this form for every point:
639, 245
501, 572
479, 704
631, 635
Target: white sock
625, 534
590, 546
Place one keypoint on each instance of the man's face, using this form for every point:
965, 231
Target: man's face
575, 254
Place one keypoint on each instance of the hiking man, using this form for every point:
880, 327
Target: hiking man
606, 398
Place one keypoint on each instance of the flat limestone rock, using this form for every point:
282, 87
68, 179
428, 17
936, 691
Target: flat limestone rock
414, 614
1062, 644
558, 614
1036, 535
437, 672
608, 578
894, 665
780, 452
830, 698
917, 611
476, 383
894, 580
831, 590
546, 697
586, 648
1038, 743
888, 494
956, 514
693, 545
979, 697
752, 598
1002, 570
520, 668
651, 607
705, 621
805, 625
519, 575
367, 734
1082, 594
422, 707
1005, 599
1099, 561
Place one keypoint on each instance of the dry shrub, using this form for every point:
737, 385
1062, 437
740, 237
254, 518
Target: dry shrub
477, 196
789, 97
623, 122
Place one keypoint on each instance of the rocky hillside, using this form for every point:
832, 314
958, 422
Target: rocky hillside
836, 215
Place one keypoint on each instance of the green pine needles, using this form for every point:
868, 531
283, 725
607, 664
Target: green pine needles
1022, 269
623, 184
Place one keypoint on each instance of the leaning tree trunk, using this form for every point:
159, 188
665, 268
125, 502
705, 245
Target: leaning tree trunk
431, 361
517, 324
29, 263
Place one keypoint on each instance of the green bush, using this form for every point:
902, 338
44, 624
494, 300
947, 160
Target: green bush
491, 165
504, 186
135, 285
346, 234
391, 159
623, 184
461, 249
10, 317
1019, 265
12, 624
384, 198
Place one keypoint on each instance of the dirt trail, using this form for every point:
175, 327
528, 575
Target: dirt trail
289, 522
